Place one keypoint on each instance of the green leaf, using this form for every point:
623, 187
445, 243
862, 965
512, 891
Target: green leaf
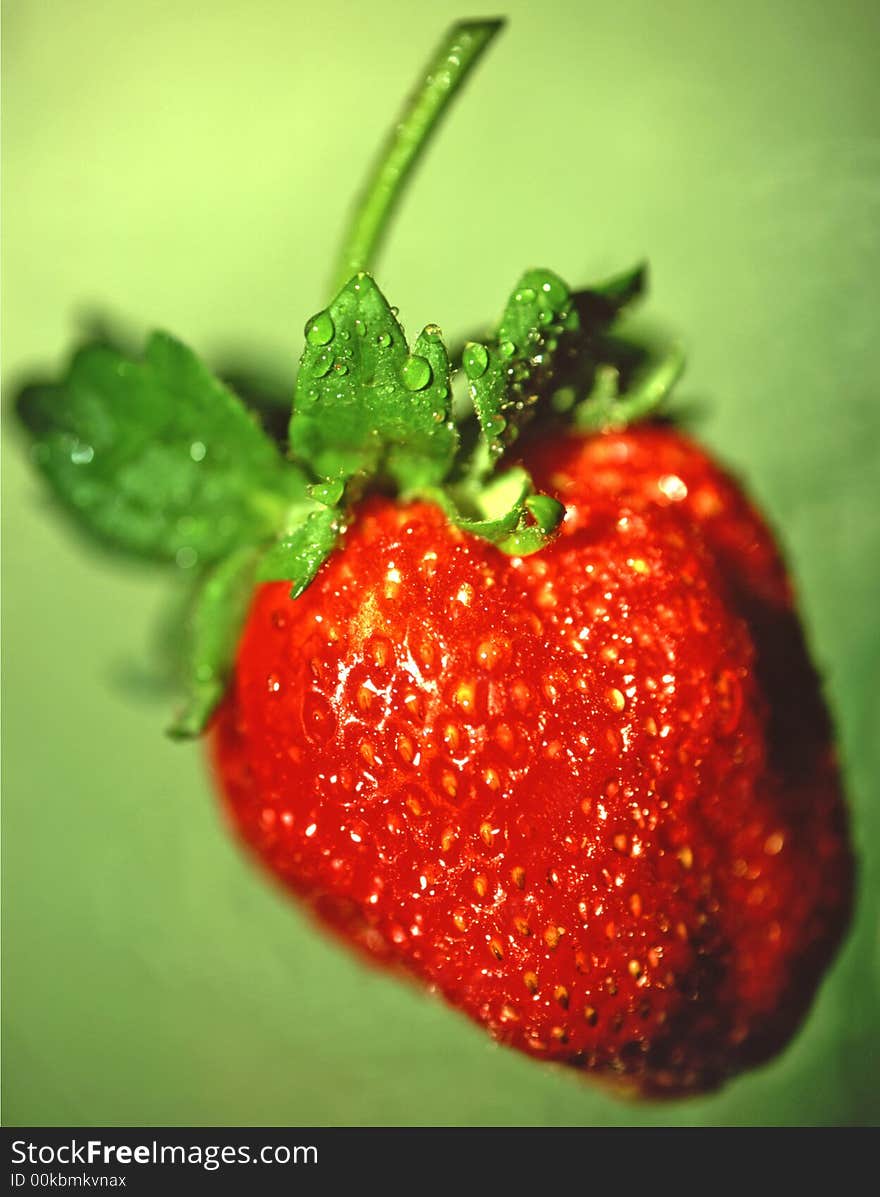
585, 358
364, 404
606, 407
217, 619
298, 555
605, 381
506, 512
156, 457
537, 313
601, 304
489, 390
507, 376
212, 631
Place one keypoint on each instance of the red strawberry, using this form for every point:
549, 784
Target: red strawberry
589, 795
585, 790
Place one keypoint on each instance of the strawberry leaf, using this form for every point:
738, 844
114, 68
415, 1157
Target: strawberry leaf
215, 623
600, 305
217, 614
506, 512
608, 407
156, 457
299, 554
506, 376
602, 380
488, 387
537, 313
366, 405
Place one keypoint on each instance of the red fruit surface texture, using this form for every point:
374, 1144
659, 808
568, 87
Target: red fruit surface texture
589, 795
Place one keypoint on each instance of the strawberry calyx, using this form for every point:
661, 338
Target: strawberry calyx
158, 458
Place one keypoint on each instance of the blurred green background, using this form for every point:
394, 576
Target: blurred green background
189, 166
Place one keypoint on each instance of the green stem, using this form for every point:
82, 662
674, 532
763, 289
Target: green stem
455, 57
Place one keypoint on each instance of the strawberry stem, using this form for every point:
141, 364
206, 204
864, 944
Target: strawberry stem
455, 57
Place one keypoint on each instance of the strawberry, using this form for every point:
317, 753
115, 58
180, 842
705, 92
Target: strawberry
587, 795
507, 687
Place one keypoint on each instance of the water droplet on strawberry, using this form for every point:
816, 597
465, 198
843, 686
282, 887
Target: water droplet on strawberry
319, 722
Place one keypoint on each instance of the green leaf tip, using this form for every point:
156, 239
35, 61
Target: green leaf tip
299, 554
366, 404
538, 312
553, 353
605, 301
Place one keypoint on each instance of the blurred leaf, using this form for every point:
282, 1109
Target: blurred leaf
156, 457
217, 617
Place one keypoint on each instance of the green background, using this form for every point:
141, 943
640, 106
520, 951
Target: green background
189, 166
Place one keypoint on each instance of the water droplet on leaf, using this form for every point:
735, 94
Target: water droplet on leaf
475, 360
416, 372
320, 329
328, 493
555, 290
